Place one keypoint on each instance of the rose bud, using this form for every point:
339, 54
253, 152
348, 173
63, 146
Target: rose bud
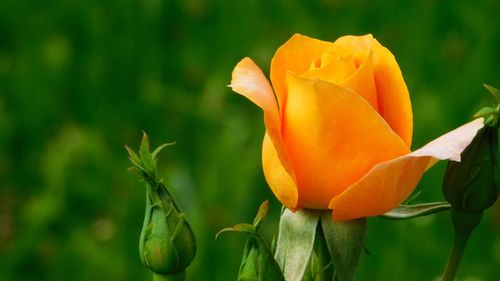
472, 185
167, 245
339, 126
258, 263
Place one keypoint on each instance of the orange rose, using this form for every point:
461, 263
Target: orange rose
339, 126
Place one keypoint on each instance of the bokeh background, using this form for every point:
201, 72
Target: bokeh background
79, 79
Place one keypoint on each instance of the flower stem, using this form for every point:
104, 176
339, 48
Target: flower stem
463, 224
170, 277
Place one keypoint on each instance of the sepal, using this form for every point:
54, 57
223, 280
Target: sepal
417, 210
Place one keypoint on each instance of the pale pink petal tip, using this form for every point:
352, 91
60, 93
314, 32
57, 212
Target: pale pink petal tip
450, 145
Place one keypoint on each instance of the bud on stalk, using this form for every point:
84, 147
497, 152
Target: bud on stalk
167, 244
472, 184
258, 263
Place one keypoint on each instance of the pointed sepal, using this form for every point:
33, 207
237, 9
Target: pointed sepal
416, 210
297, 232
345, 241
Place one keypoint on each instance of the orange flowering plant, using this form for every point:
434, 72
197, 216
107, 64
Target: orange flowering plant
339, 127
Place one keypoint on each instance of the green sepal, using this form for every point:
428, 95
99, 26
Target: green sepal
241, 227
154, 155
493, 91
297, 232
134, 158
485, 111
417, 210
249, 228
345, 241
261, 214
148, 162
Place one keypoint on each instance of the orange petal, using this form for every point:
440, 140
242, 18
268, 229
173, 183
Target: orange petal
249, 81
333, 137
280, 181
331, 67
389, 183
362, 81
296, 56
393, 98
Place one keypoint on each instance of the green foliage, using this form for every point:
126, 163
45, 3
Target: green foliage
78, 79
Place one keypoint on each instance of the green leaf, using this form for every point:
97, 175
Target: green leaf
345, 241
295, 242
412, 211
494, 91
261, 214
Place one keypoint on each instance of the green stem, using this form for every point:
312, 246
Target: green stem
169, 277
463, 225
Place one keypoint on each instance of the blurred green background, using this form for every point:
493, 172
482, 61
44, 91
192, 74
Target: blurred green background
78, 79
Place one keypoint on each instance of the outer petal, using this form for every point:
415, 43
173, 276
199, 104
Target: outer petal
249, 81
393, 98
280, 181
333, 137
296, 55
389, 183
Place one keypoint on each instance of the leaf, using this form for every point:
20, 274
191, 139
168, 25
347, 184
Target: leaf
345, 241
295, 242
412, 211
494, 91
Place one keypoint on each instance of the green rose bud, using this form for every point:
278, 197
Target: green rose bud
472, 185
258, 263
167, 245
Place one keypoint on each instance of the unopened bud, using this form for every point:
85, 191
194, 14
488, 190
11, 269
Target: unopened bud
472, 184
258, 263
167, 244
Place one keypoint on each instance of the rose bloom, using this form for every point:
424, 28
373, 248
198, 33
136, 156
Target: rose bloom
339, 126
